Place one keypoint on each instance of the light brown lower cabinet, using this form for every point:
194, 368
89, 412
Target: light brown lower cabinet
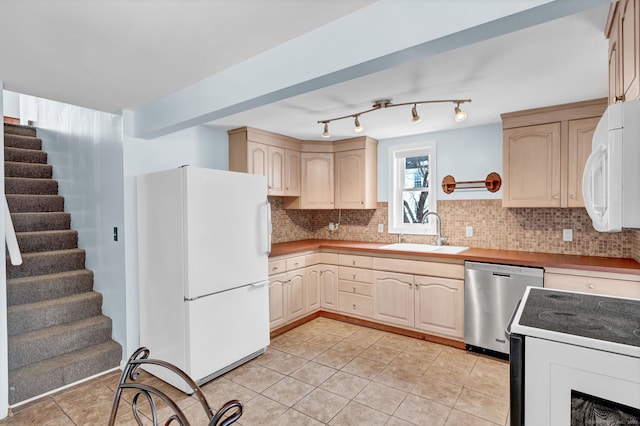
601, 283
393, 298
287, 297
322, 287
439, 306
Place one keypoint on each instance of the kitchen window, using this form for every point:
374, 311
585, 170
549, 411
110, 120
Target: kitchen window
412, 195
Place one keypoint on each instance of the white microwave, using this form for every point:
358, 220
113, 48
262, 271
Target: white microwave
611, 180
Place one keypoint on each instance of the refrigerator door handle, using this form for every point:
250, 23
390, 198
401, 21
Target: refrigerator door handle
269, 228
260, 283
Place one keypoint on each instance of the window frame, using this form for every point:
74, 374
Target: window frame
397, 155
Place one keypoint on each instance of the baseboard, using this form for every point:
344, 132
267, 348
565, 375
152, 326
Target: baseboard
370, 324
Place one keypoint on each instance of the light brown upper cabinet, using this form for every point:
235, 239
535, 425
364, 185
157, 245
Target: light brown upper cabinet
356, 173
268, 154
316, 186
544, 153
623, 32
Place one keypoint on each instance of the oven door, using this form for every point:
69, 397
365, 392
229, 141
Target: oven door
556, 370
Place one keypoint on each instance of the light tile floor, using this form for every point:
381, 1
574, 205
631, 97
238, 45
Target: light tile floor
323, 372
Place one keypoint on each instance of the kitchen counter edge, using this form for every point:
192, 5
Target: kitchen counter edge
512, 257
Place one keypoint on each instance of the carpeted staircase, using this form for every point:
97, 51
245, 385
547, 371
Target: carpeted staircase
57, 333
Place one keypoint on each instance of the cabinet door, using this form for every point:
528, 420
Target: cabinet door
329, 287
531, 166
312, 284
439, 305
296, 296
257, 159
316, 190
276, 169
277, 294
292, 173
629, 45
393, 300
580, 138
350, 179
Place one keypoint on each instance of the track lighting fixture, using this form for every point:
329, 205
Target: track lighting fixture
325, 133
415, 118
358, 127
386, 103
460, 115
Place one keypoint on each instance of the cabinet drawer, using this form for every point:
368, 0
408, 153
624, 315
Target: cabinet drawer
419, 267
354, 304
325, 258
595, 285
355, 287
355, 261
295, 262
355, 274
277, 266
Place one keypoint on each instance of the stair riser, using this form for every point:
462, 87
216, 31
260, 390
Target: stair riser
26, 349
39, 242
27, 318
14, 185
35, 203
13, 129
33, 222
46, 263
46, 287
36, 379
28, 170
24, 142
25, 155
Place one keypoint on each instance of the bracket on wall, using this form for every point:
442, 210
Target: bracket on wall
492, 183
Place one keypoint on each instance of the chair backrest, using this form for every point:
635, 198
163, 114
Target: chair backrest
226, 415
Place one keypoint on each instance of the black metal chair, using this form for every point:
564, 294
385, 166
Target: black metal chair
228, 414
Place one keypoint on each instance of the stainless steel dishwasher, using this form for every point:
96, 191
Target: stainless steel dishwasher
491, 293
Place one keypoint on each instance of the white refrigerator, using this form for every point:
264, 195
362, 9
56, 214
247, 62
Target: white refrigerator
204, 236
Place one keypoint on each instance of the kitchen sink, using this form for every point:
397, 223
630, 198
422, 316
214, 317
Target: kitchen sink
425, 248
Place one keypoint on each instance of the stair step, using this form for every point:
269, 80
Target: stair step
32, 186
21, 141
27, 170
50, 286
44, 221
48, 313
19, 203
45, 376
25, 155
34, 242
46, 262
17, 129
39, 345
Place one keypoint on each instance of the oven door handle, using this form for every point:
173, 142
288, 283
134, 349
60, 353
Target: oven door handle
507, 330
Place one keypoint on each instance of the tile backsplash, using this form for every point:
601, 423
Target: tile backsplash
494, 227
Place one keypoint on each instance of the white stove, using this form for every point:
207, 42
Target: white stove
575, 359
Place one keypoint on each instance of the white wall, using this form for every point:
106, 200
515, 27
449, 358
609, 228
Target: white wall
466, 154
4, 363
85, 148
11, 104
200, 146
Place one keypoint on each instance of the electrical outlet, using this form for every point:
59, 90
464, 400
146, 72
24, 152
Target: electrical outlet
567, 235
332, 226
468, 231
380, 228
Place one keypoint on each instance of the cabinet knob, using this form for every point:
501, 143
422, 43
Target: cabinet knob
354, 288
555, 196
354, 306
361, 202
296, 264
354, 262
573, 197
619, 98
354, 277
275, 268
591, 286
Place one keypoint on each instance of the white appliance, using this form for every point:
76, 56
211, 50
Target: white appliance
203, 240
611, 180
575, 359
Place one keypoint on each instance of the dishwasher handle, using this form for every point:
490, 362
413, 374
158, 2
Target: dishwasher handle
507, 330
500, 274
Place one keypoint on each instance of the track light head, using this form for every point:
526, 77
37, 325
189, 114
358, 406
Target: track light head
460, 115
415, 118
325, 133
358, 127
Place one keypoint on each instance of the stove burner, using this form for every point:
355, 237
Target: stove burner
624, 308
569, 321
563, 298
636, 332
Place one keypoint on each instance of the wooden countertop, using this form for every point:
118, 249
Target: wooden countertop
513, 257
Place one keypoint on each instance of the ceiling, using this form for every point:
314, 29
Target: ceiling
125, 54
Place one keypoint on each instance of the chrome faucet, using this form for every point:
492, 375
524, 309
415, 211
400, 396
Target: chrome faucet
440, 239
399, 238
